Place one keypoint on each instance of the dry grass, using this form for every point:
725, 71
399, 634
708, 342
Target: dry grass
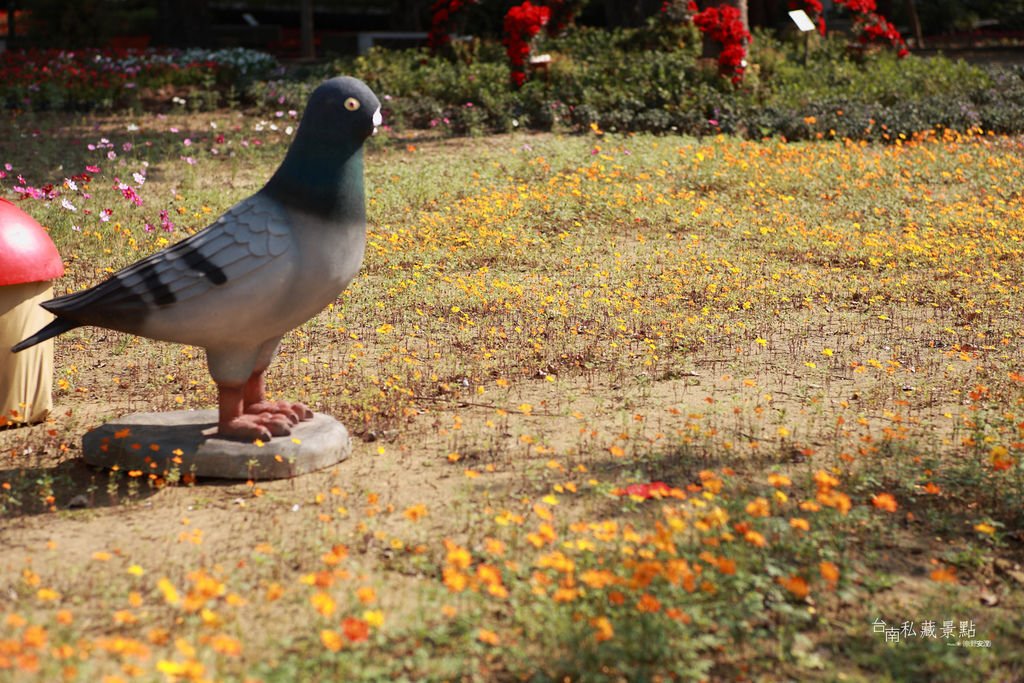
816, 347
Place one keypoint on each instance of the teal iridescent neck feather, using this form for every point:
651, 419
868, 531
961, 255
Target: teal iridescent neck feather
322, 173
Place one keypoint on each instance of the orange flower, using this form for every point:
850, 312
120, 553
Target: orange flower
835, 499
755, 538
494, 547
678, 615
335, 555
226, 645
457, 556
416, 512
488, 637
648, 603
726, 566
944, 575
455, 580
824, 480
796, 585
884, 501
563, 594
34, 636
598, 578
800, 524
758, 508
366, 595
829, 572
1001, 458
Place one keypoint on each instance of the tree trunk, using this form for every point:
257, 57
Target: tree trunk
308, 49
915, 24
182, 23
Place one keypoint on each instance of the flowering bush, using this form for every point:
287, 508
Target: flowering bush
442, 14
522, 23
725, 25
91, 79
678, 11
872, 28
562, 14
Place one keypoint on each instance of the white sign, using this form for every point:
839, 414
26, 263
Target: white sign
802, 21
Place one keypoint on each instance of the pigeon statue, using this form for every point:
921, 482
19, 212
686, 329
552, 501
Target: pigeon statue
270, 263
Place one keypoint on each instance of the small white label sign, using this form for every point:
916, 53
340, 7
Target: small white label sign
802, 21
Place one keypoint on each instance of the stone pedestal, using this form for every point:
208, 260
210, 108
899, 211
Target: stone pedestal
156, 442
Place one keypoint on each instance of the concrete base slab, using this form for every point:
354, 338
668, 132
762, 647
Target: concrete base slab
155, 442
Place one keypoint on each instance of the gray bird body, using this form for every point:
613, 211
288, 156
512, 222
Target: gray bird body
270, 263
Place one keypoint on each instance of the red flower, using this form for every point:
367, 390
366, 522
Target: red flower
872, 27
522, 23
442, 13
656, 489
725, 25
355, 629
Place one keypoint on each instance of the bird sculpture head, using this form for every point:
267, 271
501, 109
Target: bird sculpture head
322, 171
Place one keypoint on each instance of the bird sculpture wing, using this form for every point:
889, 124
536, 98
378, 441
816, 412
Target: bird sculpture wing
247, 238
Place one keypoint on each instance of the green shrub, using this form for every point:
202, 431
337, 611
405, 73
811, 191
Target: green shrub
648, 80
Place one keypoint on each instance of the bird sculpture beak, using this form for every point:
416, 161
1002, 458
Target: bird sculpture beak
377, 120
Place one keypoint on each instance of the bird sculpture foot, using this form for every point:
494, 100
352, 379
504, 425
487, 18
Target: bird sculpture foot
295, 412
249, 427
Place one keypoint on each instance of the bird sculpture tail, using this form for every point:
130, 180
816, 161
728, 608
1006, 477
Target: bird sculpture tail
58, 326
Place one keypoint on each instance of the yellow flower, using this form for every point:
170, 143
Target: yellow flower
602, 629
332, 640
47, 595
323, 603
170, 593
374, 617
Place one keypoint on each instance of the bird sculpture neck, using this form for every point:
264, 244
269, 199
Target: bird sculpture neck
321, 182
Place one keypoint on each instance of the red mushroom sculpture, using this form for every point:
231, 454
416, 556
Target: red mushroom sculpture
29, 262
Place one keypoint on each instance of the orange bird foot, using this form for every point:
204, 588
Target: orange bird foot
250, 427
295, 412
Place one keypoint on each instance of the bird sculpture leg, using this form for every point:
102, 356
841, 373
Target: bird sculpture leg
234, 423
243, 412
254, 402
254, 399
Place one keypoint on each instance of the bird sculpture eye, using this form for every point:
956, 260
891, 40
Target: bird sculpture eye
352, 104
